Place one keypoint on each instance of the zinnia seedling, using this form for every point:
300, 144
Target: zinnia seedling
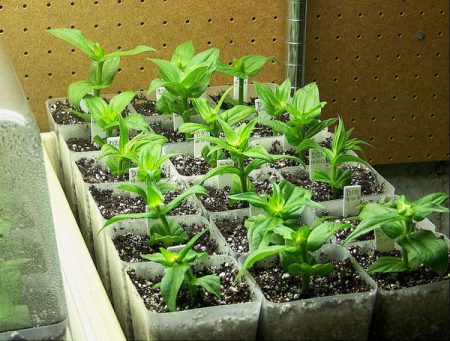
275, 102
103, 66
397, 219
178, 273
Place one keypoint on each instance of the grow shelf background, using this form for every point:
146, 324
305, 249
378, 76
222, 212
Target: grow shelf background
365, 55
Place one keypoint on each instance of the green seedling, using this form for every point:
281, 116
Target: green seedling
246, 66
397, 219
164, 230
275, 102
150, 162
178, 273
119, 159
304, 114
296, 254
246, 158
212, 126
107, 116
338, 155
185, 76
103, 66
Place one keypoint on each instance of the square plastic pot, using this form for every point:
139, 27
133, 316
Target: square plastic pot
339, 317
225, 322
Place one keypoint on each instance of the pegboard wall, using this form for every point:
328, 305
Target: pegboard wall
381, 65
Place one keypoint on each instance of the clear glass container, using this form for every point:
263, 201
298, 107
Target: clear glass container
32, 304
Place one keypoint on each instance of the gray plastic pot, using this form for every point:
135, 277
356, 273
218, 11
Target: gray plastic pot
340, 317
225, 322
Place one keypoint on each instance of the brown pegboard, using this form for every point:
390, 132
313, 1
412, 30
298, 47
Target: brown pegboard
370, 67
373, 71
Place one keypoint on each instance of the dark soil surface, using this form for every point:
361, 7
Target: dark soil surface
265, 185
93, 173
262, 131
276, 149
60, 111
131, 246
81, 145
144, 106
218, 200
224, 106
235, 233
279, 287
394, 281
111, 205
189, 165
172, 136
322, 191
342, 234
230, 294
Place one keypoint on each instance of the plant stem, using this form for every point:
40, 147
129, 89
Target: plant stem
163, 218
405, 257
333, 171
242, 174
191, 288
186, 117
306, 280
98, 78
241, 91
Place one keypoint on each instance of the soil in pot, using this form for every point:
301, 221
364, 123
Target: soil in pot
280, 287
172, 136
111, 205
342, 234
61, 113
235, 233
276, 149
231, 293
188, 165
399, 280
81, 145
144, 106
322, 191
224, 106
218, 200
264, 185
131, 246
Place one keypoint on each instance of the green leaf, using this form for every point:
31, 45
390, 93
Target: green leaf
388, 264
266, 96
109, 70
429, 204
236, 114
322, 269
322, 233
193, 128
137, 122
196, 80
307, 98
260, 230
230, 134
183, 54
97, 107
218, 171
253, 63
424, 247
250, 197
137, 50
168, 235
282, 127
168, 71
157, 258
154, 84
120, 217
182, 254
211, 284
260, 254
197, 189
129, 187
80, 89
171, 282
259, 152
76, 38
208, 57
119, 102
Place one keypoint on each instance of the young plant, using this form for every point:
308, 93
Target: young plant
178, 273
246, 66
165, 230
150, 162
397, 219
119, 159
284, 206
107, 116
304, 113
103, 66
275, 102
296, 255
341, 144
185, 76
212, 126
236, 142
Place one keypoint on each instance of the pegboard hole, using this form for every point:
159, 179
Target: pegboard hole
393, 118
335, 80
339, 15
50, 74
442, 12
74, 73
25, 29
72, 4
376, 77
390, 158
371, 139
432, 115
231, 42
435, 96
275, 17
422, 13
208, 43
142, 68
402, 14
429, 156
119, 24
119, 47
334, 100
355, 99
436, 75
391, 138
142, 23
1, 31
360, 14
49, 4
398, 56
49, 51
95, 26
374, 99
231, 19
119, 70
274, 40
25, 53
411, 137
373, 119
210, 20
72, 50
357, 57
338, 37
409, 157
394, 98
24, 6
336, 58
380, 14
414, 96
187, 21
164, 45
377, 56
253, 40
379, 36
95, 3
317, 38
359, 36
430, 136
413, 117
253, 18
317, 16
355, 78
165, 22
438, 54
416, 76
397, 77
230, 63
440, 34
400, 35
418, 55
353, 120
26, 75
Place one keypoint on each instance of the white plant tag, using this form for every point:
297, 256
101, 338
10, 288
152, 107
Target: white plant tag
260, 110
159, 92
84, 107
382, 242
177, 121
113, 141
318, 161
224, 180
199, 144
352, 200
176, 248
133, 175
236, 88
96, 130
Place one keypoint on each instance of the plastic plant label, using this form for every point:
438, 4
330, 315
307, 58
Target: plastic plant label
352, 200
96, 131
133, 175
176, 248
224, 180
236, 88
113, 141
159, 92
260, 110
382, 242
199, 144
317, 161
84, 107
177, 121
